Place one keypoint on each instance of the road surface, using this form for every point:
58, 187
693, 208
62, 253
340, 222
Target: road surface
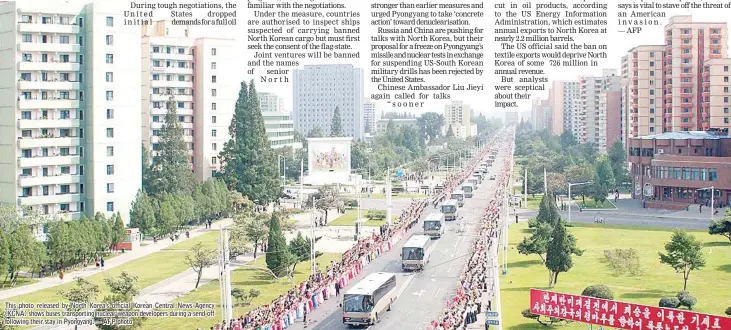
422, 295
616, 218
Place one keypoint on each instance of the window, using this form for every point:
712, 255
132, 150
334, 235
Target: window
156, 77
110, 77
181, 105
181, 78
81, 40
213, 119
725, 120
110, 21
110, 132
213, 106
110, 206
725, 68
110, 40
110, 113
213, 132
110, 169
213, 51
214, 146
110, 59
213, 92
110, 151
110, 95
213, 79
213, 64
214, 160
110, 187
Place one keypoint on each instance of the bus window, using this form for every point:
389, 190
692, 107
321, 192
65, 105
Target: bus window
357, 304
413, 253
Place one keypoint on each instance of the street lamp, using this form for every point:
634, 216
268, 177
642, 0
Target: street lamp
713, 190
283, 169
571, 200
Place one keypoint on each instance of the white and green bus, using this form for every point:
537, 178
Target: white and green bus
458, 195
434, 225
365, 303
468, 189
450, 210
413, 254
474, 180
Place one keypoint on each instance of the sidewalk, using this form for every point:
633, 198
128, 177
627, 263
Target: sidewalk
51, 281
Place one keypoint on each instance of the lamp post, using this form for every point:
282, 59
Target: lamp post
570, 200
283, 169
713, 191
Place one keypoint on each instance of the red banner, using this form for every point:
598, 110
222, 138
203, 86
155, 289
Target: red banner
621, 315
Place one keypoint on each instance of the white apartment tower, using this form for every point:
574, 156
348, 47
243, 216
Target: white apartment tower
69, 115
279, 124
458, 115
318, 89
194, 72
599, 117
563, 98
369, 116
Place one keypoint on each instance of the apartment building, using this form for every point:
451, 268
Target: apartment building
319, 89
193, 72
642, 82
369, 116
563, 98
278, 122
541, 117
598, 119
70, 125
511, 118
458, 115
716, 99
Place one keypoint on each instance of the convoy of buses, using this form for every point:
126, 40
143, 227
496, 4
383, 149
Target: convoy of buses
365, 303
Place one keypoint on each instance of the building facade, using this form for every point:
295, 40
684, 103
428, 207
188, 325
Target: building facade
598, 119
279, 123
382, 124
676, 169
512, 118
191, 70
369, 116
563, 96
319, 89
716, 99
458, 115
541, 117
70, 127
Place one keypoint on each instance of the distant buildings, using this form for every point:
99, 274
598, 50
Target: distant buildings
512, 118
318, 89
599, 120
564, 99
369, 116
541, 115
458, 116
279, 124
382, 124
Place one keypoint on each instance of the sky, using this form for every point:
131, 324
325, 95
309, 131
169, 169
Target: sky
617, 43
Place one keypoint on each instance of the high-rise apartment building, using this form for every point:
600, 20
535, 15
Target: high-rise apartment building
563, 98
458, 115
642, 88
717, 93
541, 114
193, 72
69, 108
319, 89
600, 111
279, 124
369, 116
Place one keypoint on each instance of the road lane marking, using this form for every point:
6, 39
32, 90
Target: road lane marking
408, 280
436, 294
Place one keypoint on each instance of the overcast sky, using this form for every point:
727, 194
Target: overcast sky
618, 44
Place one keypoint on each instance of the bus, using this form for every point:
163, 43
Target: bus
478, 174
468, 188
434, 225
413, 253
450, 210
474, 180
458, 195
369, 299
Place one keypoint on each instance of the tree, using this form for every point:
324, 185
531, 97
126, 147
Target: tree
300, 249
123, 289
326, 198
170, 172
537, 243
83, 293
119, 233
146, 165
567, 140
600, 291
684, 254
200, 258
142, 213
618, 161
4, 253
430, 125
450, 132
558, 253
336, 128
721, 226
579, 173
556, 183
22, 251
316, 132
249, 164
255, 230
603, 180
278, 258
548, 211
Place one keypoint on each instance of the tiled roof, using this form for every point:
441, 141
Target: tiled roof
682, 135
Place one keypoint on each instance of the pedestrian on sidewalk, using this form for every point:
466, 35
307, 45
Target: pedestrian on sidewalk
102, 262
97, 261
337, 288
187, 234
305, 317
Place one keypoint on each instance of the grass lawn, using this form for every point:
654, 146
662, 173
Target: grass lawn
20, 282
534, 201
348, 219
244, 278
383, 196
711, 285
591, 204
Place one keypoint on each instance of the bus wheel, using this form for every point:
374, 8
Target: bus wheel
389, 306
375, 319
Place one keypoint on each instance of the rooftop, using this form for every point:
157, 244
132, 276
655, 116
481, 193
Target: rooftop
689, 135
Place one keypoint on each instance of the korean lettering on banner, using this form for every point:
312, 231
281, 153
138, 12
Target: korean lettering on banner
621, 315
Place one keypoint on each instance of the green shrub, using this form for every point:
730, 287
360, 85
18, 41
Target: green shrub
376, 215
598, 291
624, 261
685, 299
671, 302
728, 310
352, 203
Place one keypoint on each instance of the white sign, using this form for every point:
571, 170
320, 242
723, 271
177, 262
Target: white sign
648, 190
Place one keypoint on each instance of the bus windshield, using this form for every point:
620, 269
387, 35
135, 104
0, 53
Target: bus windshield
413, 253
448, 208
356, 303
467, 189
457, 196
432, 225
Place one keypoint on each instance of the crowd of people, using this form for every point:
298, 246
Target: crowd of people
467, 303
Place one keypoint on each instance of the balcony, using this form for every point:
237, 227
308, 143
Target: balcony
52, 85
714, 56
171, 56
49, 66
48, 123
686, 94
685, 74
686, 84
706, 94
686, 115
31, 181
41, 142
49, 47
51, 199
48, 28
668, 115
171, 84
48, 103
177, 70
49, 161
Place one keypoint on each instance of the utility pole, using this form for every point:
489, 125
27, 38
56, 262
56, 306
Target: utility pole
525, 189
302, 185
388, 197
312, 238
227, 260
357, 221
